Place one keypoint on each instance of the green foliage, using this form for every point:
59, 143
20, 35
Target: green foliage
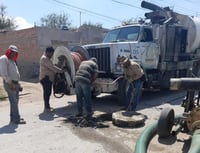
55, 21
132, 21
5, 23
90, 24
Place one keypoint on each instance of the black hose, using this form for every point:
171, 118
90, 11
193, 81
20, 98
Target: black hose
151, 6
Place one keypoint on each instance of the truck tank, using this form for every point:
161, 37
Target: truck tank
193, 25
163, 15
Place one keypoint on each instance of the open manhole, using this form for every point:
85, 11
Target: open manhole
127, 118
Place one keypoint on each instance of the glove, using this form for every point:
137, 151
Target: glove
11, 86
20, 88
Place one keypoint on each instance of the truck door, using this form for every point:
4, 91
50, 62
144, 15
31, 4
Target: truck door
146, 51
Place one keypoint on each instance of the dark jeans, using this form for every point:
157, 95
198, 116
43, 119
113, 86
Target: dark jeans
47, 89
133, 94
83, 96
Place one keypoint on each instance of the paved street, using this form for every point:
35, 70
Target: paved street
50, 133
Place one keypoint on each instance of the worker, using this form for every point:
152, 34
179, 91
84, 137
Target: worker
11, 77
85, 76
134, 74
47, 75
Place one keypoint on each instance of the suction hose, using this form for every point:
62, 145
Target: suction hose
78, 55
195, 147
146, 136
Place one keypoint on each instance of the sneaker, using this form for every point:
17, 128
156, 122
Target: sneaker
21, 119
48, 109
19, 122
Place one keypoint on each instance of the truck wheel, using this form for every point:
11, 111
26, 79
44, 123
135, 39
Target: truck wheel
121, 94
165, 122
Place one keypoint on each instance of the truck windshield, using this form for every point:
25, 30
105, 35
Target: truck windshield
122, 34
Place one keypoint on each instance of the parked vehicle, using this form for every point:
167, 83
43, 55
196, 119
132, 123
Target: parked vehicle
166, 44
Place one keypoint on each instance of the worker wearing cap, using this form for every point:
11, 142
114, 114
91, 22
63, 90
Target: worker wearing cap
10, 74
134, 74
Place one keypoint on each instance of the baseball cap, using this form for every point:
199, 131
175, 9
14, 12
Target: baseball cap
13, 48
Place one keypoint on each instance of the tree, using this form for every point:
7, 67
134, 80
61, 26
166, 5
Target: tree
132, 21
56, 21
90, 24
5, 23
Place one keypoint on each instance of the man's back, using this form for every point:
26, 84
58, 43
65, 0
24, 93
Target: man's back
86, 71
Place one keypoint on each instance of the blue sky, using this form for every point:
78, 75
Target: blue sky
109, 13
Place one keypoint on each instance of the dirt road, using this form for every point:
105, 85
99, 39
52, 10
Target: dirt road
50, 133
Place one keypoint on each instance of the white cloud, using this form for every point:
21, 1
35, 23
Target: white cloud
21, 23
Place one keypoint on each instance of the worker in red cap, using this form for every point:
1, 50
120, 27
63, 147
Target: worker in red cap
10, 75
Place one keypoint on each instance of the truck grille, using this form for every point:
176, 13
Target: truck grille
103, 57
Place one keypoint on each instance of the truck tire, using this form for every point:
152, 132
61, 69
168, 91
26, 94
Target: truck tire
121, 93
165, 122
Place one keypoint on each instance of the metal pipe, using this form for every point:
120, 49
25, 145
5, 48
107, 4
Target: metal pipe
185, 83
151, 6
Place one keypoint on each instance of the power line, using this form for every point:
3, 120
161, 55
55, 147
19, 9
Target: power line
161, 3
127, 4
84, 10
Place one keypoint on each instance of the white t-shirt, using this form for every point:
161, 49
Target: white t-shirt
8, 69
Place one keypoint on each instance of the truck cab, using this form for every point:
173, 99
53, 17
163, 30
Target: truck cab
133, 41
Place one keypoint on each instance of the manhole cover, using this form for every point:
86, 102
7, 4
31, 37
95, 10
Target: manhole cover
127, 118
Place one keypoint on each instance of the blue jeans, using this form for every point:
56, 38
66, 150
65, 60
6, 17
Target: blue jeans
133, 94
13, 96
47, 89
83, 96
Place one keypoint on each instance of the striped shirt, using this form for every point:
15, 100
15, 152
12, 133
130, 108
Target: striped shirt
86, 71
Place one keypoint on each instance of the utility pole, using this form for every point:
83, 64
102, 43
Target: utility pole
80, 18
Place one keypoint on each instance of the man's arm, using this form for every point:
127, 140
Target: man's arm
94, 77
